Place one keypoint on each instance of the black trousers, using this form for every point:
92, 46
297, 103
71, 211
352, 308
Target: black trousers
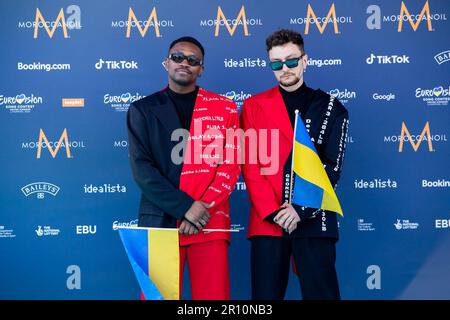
314, 261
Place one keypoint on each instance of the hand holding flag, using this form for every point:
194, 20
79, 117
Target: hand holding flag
312, 187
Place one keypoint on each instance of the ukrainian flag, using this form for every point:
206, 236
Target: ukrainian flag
312, 187
155, 258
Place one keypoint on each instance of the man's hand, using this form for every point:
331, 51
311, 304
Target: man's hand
195, 218
287, 218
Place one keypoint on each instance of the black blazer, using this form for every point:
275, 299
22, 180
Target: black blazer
150, 123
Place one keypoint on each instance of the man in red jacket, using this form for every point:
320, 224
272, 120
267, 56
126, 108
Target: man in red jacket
187, 183
279, 229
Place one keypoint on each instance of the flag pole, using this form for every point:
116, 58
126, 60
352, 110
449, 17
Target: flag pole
292, 160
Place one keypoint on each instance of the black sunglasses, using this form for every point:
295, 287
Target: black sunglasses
290, 63
179, 57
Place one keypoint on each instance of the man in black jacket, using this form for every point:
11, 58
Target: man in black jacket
278, 229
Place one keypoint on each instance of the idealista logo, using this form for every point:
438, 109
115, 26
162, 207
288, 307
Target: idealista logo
142, 25
405, 15
116, 65
237, 97
405, 225
121, 103
442, 57
343, 95
245, 63
416, 139
72, 22
231, 24
20, 103
375, 184
116, 224
47, 231
40, 189
53, 146
104, 188
392, 59
438, 96
322, 21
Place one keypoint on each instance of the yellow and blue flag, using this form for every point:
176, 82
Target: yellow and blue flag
312, 187
154, 254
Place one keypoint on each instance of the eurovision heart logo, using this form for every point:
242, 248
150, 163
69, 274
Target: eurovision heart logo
20, 98
125, 97
438, 91
334, 92
230, 95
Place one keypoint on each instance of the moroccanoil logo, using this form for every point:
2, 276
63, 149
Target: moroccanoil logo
415, 145
404, 13
231, 24
133, 21
53, 146
416, 139
241, 17
52, 151
322, 21
73, 21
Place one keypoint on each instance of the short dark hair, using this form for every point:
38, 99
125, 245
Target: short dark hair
188, 39
283, 36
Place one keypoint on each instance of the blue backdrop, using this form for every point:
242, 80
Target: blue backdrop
73, 76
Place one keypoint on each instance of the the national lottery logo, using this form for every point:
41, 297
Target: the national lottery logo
121, 103
20, 103
437, 96
405, 225
40, 189
237, 96
343, 95
42, 231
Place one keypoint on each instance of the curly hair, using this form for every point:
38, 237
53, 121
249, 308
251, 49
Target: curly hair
283, 36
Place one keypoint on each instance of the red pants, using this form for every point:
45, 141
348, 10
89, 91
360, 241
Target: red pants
208, 270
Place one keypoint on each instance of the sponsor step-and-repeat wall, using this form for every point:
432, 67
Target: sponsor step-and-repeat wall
71, 69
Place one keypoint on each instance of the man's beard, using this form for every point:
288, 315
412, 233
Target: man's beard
289, 83
183, 81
